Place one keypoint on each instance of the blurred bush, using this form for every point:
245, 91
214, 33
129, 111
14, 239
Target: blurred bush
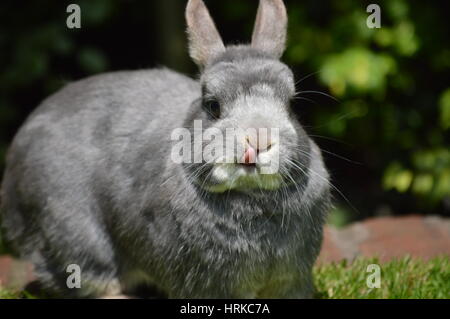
385, 139
394, 100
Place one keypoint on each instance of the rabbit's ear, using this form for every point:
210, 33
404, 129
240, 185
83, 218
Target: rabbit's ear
269, 34
204, 39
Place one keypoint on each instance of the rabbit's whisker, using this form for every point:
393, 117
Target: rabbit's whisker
319, 92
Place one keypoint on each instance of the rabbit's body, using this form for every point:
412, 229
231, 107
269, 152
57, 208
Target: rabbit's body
90, 181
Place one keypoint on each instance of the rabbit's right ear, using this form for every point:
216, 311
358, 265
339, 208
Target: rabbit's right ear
269, 34
204, 39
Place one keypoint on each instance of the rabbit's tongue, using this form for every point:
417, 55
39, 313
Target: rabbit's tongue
249, 156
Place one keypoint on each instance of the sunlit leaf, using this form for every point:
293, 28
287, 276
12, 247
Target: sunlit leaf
444, 105
357, 68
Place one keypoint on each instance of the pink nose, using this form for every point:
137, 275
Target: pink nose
249, 156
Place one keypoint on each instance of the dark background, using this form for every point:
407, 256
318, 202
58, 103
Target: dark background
386, 138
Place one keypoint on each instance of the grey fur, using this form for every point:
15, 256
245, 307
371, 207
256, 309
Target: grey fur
204, 39
270, 30
89, 181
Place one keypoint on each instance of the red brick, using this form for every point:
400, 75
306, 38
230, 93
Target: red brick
391, 237
330, 252
15, 274
388, 238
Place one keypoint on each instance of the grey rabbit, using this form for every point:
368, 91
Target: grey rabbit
90, 178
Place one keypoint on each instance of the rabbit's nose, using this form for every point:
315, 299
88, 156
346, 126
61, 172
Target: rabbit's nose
255, 145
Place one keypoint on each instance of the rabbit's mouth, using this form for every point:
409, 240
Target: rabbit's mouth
229, 176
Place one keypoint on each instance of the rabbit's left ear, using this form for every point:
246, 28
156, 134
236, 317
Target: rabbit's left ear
269, 34
204, 39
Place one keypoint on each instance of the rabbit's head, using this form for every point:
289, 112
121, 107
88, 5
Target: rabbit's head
252, 141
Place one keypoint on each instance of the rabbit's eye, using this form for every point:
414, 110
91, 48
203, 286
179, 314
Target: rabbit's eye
213, 108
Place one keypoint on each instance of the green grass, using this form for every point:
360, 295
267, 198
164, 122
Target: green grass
4, 294
400, 279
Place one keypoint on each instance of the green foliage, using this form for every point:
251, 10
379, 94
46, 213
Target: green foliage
404, 278
394, 104
445, 109
429, 176
339, 217
357, 69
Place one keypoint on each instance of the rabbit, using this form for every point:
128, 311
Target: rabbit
90, 178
